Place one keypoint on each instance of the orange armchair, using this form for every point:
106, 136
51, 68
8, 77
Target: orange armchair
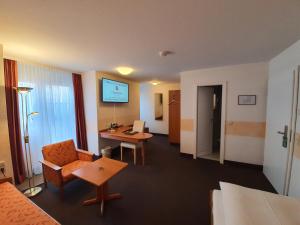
60, 160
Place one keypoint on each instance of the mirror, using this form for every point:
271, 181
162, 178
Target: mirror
158, 106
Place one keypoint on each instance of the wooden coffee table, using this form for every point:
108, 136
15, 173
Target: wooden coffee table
99, 173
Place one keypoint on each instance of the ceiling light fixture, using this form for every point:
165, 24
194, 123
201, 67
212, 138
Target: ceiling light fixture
155, 83
124, 70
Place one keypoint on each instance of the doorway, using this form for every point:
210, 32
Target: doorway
209, 122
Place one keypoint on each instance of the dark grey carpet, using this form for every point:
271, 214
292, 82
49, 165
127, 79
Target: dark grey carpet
170, 189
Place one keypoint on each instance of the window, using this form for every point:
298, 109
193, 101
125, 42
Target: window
53, 98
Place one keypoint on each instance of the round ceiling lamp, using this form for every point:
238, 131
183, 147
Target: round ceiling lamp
124, 70
154, 82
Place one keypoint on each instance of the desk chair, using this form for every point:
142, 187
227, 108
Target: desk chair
138, 126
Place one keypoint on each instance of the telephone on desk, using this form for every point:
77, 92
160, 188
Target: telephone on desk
113, 127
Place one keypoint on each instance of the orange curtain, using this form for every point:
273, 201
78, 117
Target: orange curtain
12, 105
79, 111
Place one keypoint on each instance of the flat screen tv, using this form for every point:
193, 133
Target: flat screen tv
114, 91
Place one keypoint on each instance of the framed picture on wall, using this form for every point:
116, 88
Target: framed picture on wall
247, 99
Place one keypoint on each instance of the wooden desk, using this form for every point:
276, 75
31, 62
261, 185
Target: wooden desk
120, 136
98, 173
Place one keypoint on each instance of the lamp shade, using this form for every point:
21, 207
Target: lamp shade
33, 114
23, 90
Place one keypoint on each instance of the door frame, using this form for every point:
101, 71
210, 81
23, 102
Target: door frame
292, 131
223, 115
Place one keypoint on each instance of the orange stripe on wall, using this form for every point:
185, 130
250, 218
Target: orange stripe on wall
297, 146
187, 125
249, 129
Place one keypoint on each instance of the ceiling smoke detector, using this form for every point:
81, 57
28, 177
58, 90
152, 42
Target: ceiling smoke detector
165, 53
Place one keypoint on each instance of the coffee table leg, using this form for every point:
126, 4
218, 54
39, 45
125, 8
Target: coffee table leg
102, 196
95, 200
112, 196
102, 199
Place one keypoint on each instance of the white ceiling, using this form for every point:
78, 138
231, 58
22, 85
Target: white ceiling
103, 34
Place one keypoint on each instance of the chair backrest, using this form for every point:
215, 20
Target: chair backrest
138, 126
60, 153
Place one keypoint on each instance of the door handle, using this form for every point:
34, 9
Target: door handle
285, 132
284, 136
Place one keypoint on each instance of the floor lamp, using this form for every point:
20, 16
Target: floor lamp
32, 190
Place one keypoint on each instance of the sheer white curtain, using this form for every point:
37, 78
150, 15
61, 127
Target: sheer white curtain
53, 98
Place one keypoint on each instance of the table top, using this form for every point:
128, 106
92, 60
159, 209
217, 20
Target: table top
100, 171
119, 135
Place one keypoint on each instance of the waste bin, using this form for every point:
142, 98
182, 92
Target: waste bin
106, 151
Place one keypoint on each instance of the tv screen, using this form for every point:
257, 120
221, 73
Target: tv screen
114, 91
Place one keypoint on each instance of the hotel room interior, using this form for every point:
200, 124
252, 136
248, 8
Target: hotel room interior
144, 112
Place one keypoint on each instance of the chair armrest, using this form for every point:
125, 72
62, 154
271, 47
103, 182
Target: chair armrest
52, 173
84, 155
51, 165
84, 151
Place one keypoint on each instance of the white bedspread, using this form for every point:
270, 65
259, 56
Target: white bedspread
245, 206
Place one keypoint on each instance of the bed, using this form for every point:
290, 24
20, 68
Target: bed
16, 209
217, 208
237, 205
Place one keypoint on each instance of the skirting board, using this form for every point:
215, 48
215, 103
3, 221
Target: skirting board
186, 155
158, 134
245, 165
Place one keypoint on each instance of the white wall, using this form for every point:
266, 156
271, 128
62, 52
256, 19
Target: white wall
91, 98
147, 111
5, 154
247, 79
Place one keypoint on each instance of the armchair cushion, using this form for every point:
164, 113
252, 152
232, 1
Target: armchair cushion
69, 168
60, 153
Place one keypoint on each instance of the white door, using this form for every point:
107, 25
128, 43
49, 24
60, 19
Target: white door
279, 115
204, 120
294, 179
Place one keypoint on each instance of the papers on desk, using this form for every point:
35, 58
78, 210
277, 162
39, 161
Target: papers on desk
130, 132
